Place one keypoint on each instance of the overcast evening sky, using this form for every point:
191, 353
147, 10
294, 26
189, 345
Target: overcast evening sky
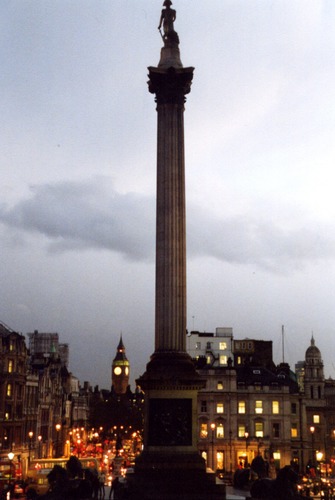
78, 173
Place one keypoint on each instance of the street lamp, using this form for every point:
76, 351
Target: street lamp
246, 435
30, 434
58, 427
10, 458
39, 445
213, 429
312, 429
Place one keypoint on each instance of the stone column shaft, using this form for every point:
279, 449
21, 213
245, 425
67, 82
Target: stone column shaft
170, 85
170, 230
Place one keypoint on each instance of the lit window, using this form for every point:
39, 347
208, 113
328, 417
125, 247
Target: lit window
10, 366
258, 406
275, 407
241, 406
203, 430
223, 346
11, 345
241, 431
239, 360
209, 360
219, 408
259, 431
223, 359
9, 390
294, 431
220, 431
220, 460
219, 386
7, 416
316, 419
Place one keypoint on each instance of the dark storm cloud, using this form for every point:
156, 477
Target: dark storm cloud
92, 215
87, 215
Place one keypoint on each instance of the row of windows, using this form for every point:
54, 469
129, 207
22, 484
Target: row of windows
258, 408
223, 359
218, 430
10, 367
222, 346
241, 407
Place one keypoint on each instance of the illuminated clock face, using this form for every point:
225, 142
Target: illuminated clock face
127, 370
117, 370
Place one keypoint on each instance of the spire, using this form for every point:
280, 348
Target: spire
120, 351
121, 347
170, 56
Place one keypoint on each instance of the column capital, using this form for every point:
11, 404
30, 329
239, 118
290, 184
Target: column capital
170, 85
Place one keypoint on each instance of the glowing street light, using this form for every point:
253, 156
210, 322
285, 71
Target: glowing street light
10, 458
30, 434
246, 435
39, 445
58, 428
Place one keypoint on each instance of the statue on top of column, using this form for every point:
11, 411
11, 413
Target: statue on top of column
168, 17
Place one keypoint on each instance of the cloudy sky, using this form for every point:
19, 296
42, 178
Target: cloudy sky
78, 167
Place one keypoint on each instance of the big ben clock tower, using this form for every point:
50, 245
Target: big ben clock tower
120, 370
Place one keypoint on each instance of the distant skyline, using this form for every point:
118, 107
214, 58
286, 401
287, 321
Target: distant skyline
78, 163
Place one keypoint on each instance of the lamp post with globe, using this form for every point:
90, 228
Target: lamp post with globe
30, 435
246, 435
39, 446
58, 428
10, 458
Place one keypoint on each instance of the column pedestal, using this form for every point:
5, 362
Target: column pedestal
170, 467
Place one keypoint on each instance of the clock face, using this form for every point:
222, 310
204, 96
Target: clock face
127, 370
117, 370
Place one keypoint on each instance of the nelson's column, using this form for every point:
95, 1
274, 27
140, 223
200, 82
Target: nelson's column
170, 466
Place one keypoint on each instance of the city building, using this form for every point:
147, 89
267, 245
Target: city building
13, 362
249, 405
214, 349
314, 401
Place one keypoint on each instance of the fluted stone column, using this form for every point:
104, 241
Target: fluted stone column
170, 86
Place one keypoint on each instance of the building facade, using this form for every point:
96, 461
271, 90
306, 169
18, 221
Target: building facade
13, 374
250, 406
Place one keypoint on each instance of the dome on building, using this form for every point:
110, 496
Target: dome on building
313, 353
